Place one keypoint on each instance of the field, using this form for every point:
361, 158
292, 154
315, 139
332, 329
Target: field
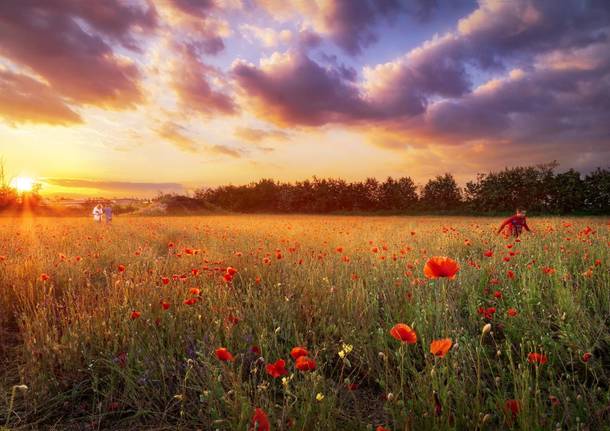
117, 327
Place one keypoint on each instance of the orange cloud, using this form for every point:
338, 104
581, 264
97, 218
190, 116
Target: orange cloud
25, 100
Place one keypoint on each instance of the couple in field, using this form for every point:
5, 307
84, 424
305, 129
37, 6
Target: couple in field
99, 210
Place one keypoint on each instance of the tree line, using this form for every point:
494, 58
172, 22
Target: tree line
535, 188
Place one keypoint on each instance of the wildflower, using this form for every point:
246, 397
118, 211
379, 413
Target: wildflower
320, 396
537, 358
548, 270
298, 351
190, 301
165, 280
380, 428
260, 421
498, 294
194, 291
510, 274
489, 253
512, 406
403, 333
440, 347
586, 356
44, 277
512, 312
164, 304
121, 268
554, 400
305, 363
135, 315
223, 354
277, 369
439, 266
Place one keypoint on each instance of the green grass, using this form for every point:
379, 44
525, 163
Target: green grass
88, 365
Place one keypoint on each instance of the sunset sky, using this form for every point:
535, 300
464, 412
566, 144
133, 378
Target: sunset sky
128, 97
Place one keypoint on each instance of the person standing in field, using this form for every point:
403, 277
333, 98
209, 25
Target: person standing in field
97, 213
108, 214
516, 224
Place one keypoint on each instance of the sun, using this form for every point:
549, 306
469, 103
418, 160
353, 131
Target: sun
23, 184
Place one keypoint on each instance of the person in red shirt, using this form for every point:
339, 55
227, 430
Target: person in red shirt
515, 223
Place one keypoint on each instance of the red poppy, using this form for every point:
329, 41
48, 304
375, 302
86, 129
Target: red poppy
165, 280
537, 358
260, 421
586, 357
440, 347
298, 351
277, 369
194, 291
548, 270
380, 428
510, 274
190, 301
305, 363
498, 294
135, 315
121, 268
44, 277
223, 354
489, 253
512, 312
165, 305
404, 333
441, 267
227, 277
512, 406
231, 270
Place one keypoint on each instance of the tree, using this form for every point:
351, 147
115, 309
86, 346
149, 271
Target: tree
597, 191
441, 193
567, 193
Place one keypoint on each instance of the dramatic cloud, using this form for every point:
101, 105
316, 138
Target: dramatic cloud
192, 82
57, 41
291, 88
25, 100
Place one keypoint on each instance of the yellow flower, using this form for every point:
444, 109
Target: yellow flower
320, 396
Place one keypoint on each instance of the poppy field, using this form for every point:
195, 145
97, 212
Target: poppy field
304, 323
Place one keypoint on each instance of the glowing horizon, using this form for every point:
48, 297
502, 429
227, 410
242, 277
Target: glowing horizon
127, 98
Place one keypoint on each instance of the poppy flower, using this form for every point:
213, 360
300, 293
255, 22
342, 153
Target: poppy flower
165, 305
537, 358
305, 363
298, 351
190, 301
231, 270
135, 315
489, 253
548, 270
512, 312
260, 421
512, 406
223, 354
586, 357
440, 347
227, 277
441, 267
194, 291
44, 277
277, 369
403, 333
121, 268
380, 428
165, 280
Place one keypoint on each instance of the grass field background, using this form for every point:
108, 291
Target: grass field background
113, 327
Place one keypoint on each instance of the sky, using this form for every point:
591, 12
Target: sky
133, 97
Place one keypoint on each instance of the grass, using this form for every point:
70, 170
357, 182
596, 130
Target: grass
325, 283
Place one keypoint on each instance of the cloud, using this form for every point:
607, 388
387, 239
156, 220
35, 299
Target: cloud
349, 24
200, 87
25, 100
114, 186
177, 135
293, 89
61, 41
266, 36
259, 135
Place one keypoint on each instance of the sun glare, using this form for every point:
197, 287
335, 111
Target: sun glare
22, 184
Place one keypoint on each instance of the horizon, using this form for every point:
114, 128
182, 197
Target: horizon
128, 98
